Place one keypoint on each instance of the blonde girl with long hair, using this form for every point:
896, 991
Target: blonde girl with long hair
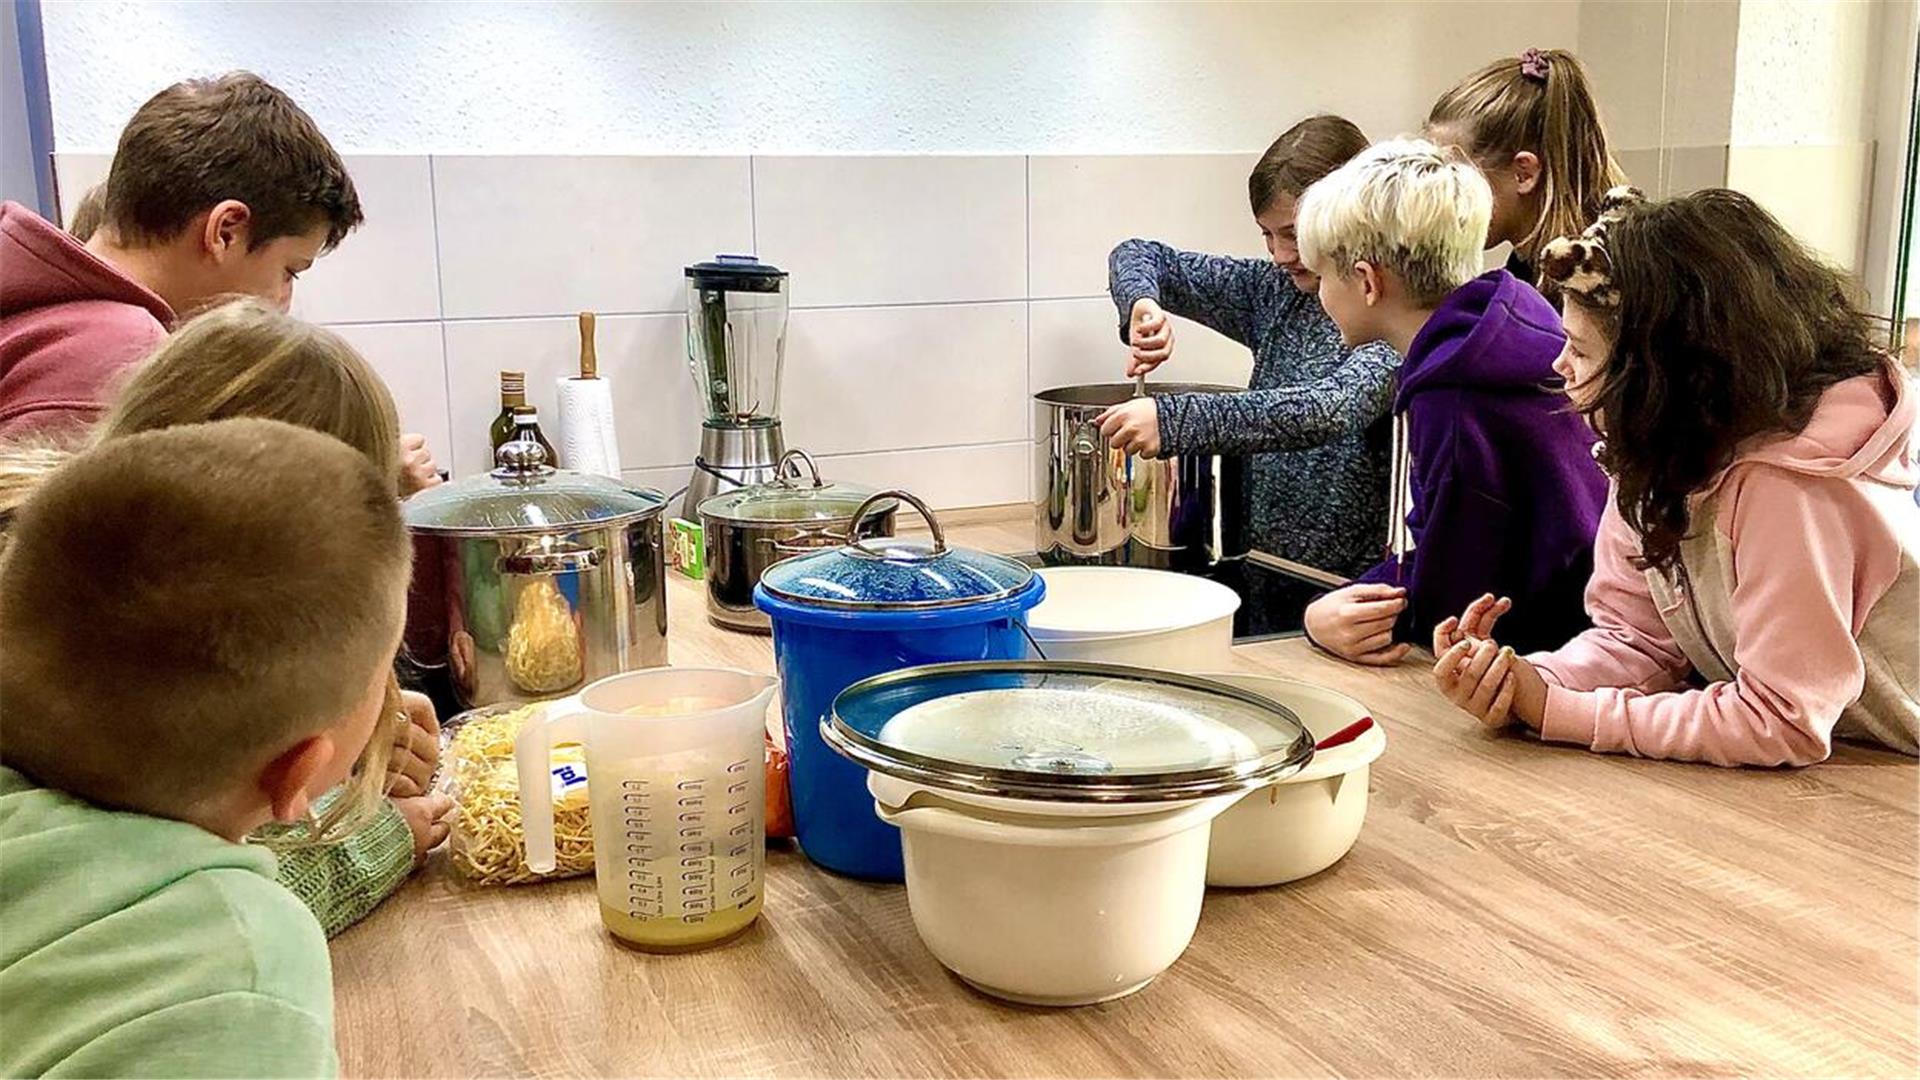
1531, 125
247, 359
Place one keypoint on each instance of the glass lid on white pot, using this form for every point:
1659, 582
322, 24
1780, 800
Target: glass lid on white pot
1066, 731
523, 494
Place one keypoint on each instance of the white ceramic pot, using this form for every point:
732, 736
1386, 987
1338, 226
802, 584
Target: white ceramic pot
1050, 904
1124, 615
1310, 820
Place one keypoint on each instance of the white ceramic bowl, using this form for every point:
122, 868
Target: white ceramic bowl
1126, 615
1309, 821
1051, 904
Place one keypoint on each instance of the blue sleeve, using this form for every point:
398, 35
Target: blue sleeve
1346, 400
1236, 297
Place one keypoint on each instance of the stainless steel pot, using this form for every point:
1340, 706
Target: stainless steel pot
750, 529
1095, 504
547, 579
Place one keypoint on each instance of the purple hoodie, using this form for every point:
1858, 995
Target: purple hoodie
1505, 492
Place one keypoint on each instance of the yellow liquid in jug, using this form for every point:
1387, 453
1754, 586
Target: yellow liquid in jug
679, 849
674, 935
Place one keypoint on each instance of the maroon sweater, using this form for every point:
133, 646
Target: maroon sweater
70, 327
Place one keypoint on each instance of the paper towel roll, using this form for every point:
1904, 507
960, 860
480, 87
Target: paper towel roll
587, 442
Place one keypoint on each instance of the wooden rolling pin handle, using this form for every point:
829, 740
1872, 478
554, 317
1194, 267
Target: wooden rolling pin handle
589, 363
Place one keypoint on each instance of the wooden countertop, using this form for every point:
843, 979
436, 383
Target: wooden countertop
1509, 910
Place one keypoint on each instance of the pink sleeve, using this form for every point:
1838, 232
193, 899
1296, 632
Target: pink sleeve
1810, 559
1629, 644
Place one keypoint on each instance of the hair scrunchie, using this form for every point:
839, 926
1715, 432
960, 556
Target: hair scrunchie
1533, 65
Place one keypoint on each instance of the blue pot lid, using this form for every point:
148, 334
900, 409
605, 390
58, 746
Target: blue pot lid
886, 574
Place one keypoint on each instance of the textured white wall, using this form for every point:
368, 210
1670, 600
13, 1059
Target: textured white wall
1806, 72
514, 78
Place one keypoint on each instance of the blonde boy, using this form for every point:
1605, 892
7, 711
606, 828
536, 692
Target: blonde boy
1495, 489
198, 624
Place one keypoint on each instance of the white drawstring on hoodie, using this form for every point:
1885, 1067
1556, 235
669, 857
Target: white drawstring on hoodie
1400, 500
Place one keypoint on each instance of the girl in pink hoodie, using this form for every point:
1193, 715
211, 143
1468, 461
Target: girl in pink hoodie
1755, 590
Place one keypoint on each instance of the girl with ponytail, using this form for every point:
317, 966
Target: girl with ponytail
1530, 123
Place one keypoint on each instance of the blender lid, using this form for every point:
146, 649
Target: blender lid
888, 574
737, 273
525, 495
1067, 732
793, 498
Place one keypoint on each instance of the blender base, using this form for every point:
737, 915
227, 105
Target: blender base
732, 455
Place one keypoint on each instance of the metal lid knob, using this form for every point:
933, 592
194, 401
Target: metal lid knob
519, 459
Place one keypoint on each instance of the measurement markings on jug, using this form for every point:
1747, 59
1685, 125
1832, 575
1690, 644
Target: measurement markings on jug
646, 890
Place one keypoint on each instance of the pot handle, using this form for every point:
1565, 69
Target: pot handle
789, 463
546, 556
860, 547
990, 827
804, 540
563, 721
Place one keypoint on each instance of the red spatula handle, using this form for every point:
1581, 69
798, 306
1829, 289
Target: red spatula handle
1346, 734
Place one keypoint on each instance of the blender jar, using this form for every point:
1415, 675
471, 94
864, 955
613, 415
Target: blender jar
736, 333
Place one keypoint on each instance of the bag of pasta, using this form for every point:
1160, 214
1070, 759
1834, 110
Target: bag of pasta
486, 843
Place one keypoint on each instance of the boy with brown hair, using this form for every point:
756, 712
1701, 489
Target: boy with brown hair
198, 625
218, 186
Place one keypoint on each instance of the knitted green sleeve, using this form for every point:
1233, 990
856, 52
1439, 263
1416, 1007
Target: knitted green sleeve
343, 882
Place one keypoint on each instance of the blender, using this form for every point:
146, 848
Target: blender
736, 335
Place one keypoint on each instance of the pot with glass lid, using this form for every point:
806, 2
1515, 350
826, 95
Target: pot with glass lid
550, 579
749, 529
1056, 814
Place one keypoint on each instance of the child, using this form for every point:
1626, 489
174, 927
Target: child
1314, 418
1530, 124
218, 186
1495, 487
1755, 589
199, 624
245, 359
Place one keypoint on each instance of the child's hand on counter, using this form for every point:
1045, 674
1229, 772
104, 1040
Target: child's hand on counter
1133, 427
1486, 680
428, 817
1150, 333
416, 748
1476, 622
1356, 623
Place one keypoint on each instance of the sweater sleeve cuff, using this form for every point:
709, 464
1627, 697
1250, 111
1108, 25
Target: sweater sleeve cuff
1571, 717
1543, 663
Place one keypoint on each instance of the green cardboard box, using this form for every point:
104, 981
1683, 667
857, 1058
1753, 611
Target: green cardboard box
687, 548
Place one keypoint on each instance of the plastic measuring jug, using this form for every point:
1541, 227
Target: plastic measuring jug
676, 782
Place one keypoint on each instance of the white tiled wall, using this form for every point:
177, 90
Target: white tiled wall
932, 295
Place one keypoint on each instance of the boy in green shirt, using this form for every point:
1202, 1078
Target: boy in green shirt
198, 625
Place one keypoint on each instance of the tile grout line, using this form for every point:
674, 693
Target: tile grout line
753, 206
990, 444
677, 314
1026, 176
440, 299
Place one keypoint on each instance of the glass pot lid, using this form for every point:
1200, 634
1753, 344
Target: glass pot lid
793, 497
887, 574
1066, 732
523, 494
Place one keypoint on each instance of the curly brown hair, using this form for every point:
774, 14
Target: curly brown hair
1724, 328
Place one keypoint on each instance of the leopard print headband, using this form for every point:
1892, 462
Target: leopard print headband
1580, 264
